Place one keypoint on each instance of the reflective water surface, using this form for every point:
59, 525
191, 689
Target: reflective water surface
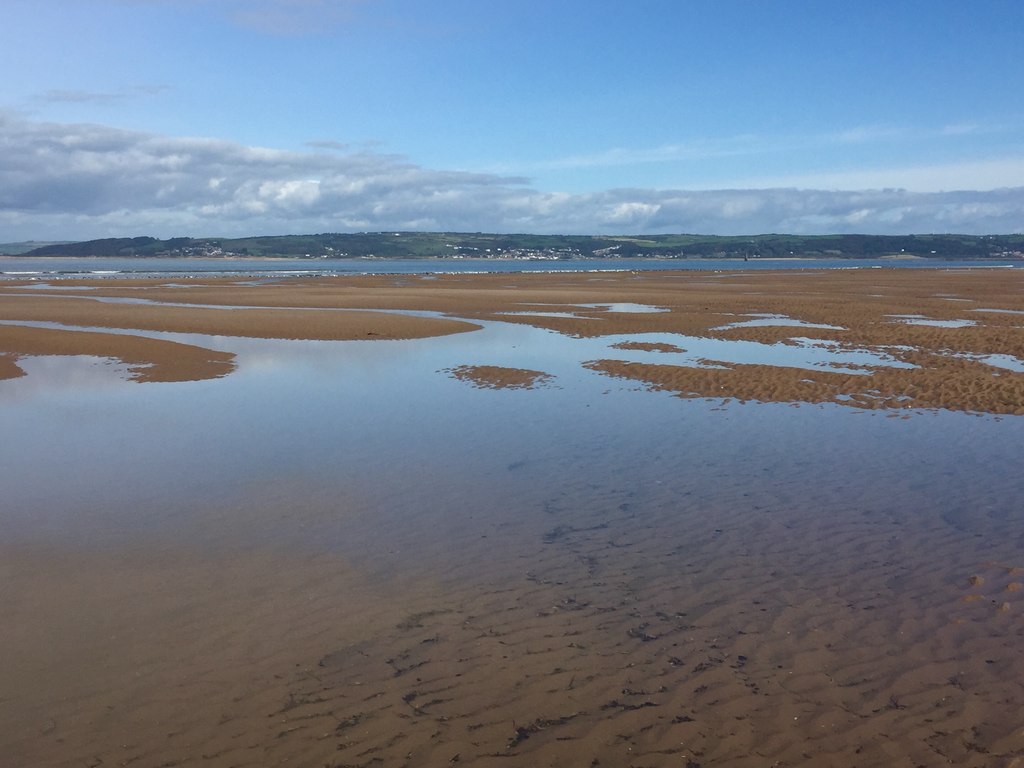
21, 267
583, 573
931, 321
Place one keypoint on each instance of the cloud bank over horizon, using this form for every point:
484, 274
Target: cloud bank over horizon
83, 181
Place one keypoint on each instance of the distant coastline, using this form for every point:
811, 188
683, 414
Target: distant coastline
526, 247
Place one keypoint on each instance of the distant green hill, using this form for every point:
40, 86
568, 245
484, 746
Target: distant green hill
416, 245
17, 249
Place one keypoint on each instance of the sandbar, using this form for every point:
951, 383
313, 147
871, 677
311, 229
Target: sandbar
500, 377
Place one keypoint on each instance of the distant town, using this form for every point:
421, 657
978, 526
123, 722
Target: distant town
450, 245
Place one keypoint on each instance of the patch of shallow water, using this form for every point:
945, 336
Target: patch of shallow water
528, 313
768, 320
1000, 311
68, 374
625, 306
270, 308
43, 285
341, 404
932, 322
618, 307
1007, 362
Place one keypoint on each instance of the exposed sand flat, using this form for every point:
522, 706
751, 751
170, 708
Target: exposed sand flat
820, 294
939, 383
647, 346
9, 367
284, 323
498, 377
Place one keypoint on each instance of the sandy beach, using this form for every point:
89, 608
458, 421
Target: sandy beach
764, 571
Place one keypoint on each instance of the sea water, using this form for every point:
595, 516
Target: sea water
22, 267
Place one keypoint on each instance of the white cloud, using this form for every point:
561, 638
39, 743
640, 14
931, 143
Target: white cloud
66, 181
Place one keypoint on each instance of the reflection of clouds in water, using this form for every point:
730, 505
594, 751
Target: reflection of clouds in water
1007, 362
763, 320
267, 356
625, 307
1000, 311
46, 375
347, 415
932, 322
612, 306
528, 313
46, 286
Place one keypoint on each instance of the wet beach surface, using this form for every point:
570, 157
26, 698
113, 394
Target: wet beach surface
481, 548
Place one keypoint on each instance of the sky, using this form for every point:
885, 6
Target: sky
245, 117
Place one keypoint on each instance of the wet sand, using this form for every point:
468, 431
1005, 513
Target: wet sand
951, 368
279, 323
711, 633
637, 600
498, 377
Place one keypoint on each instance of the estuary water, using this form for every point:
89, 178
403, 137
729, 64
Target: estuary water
342, 554
51, 268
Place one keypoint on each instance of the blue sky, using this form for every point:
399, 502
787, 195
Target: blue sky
204, 117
